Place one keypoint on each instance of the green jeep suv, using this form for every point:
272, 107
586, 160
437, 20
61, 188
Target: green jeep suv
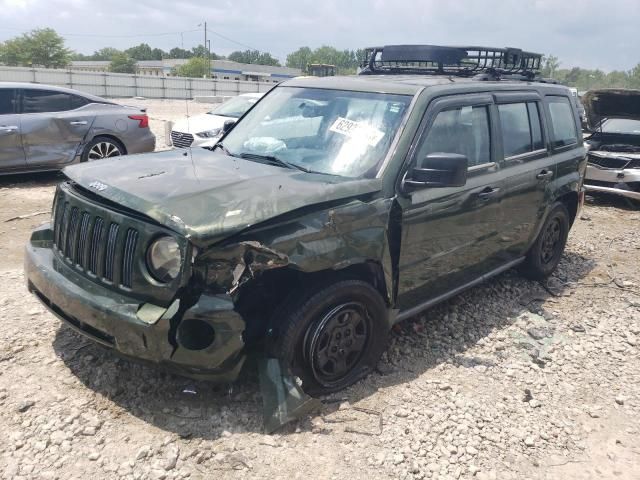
334, 208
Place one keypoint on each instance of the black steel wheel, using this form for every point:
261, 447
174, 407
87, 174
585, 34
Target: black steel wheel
337, 342
545, 254
330, 335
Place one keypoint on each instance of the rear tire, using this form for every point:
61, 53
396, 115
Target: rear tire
102, 147
330, 336
545, 254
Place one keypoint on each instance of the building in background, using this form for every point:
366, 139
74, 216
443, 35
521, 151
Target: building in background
220, 69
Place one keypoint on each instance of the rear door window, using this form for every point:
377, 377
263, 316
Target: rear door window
44, 101
7, 101
462, 130
521, 130
563, 126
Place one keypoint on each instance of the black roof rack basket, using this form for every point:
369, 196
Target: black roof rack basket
459, 61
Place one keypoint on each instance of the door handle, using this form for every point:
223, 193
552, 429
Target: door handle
544, 174
8, 128
487, 193
79, 122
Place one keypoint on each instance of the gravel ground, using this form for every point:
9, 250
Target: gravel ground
510, 380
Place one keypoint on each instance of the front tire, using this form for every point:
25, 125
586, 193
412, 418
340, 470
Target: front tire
331, 336
102, 147
546, 252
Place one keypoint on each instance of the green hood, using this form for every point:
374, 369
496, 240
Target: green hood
208, 196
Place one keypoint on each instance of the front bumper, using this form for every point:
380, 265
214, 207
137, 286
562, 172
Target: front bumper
140, 331
611, 180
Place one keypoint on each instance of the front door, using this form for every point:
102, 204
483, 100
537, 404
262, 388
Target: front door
11, 151
53, 126
450, 235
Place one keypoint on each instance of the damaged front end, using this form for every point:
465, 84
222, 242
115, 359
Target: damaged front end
88, 267
614, 144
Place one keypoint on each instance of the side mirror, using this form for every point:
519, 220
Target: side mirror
438, 170
228, 125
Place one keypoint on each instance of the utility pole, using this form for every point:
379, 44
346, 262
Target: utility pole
209, 62
205, 47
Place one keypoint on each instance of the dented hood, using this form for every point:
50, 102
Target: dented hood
206, 195
611, 103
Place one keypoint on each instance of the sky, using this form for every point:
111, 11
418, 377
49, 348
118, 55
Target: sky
585, 33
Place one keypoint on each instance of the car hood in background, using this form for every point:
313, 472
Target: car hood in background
200, 123
611, 103
208, 196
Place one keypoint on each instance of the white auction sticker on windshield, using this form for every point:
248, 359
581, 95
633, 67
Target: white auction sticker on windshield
357, 130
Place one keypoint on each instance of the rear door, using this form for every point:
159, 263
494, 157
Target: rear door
533, 160
11, 151
529, 168
54, 125
450, 236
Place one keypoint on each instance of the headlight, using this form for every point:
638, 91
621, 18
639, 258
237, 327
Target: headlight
210, 133
164, 259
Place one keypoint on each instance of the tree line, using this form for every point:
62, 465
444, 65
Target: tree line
45, 48
586, 79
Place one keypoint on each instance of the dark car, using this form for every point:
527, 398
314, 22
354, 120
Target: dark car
390, 191
43, 127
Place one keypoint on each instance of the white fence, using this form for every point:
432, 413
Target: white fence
122, 85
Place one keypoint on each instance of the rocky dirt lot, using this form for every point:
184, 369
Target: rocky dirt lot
510, 380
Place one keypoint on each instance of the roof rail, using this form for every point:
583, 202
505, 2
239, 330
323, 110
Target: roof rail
458, 61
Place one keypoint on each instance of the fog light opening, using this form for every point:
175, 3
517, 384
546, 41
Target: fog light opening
195, 334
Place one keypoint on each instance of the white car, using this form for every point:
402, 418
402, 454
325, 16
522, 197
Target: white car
205, 130
614, 144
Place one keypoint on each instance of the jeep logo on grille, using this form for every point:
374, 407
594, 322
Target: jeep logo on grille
98, 186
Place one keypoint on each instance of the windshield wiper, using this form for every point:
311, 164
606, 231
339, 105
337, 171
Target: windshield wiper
276, 161
224, 149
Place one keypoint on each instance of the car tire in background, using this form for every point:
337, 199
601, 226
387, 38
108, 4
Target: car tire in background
330, 336
545, 254
102, 147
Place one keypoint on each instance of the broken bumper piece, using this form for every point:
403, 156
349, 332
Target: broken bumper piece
283, 400
203, 342
613, 181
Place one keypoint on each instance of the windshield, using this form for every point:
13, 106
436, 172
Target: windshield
327, 131
234, 107
621, 125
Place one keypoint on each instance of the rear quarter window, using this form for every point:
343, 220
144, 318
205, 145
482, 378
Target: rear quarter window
77, 102
563, 126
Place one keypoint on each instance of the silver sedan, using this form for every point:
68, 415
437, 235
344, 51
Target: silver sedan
47, 128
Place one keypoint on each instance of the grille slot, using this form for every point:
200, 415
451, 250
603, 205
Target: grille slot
110, 252
609, 162
127, 259
62, 234
71, 234
181, 140
57, 220
96, 240
81, 252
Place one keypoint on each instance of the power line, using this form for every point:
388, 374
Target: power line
236, 42
159, 34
